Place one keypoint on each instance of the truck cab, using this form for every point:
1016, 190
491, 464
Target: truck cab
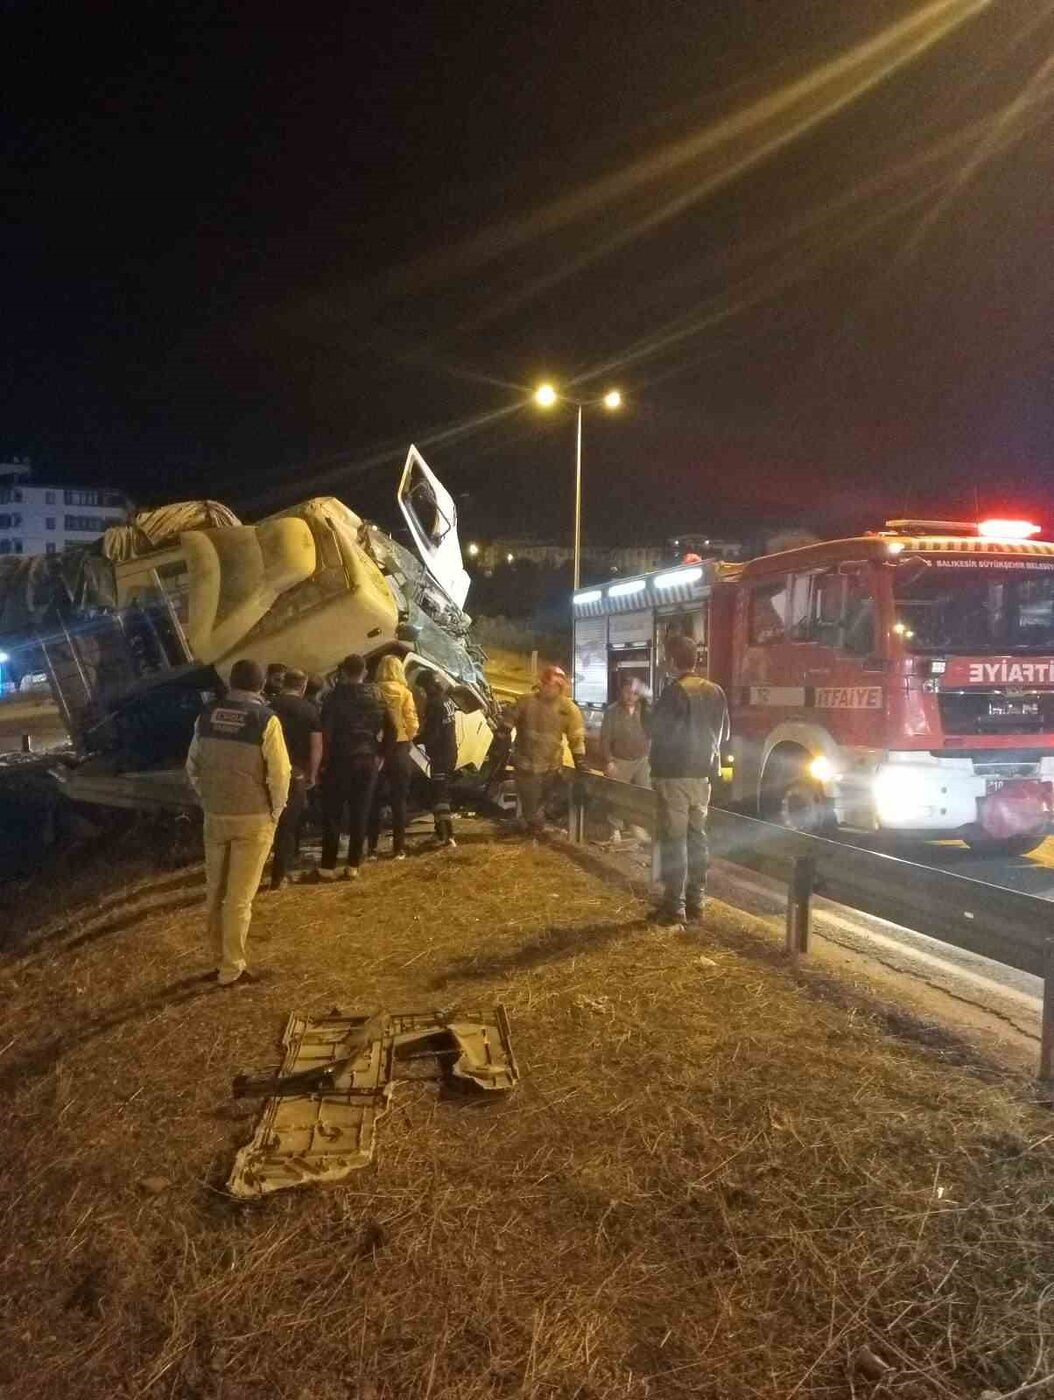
901, 681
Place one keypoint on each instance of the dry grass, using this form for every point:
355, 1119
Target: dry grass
710, 1183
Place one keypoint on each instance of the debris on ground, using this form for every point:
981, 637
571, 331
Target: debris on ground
720, 1187
336, 1081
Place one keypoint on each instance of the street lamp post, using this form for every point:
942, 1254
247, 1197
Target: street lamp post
545, 396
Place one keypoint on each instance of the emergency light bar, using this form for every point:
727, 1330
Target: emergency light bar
987, 529
1007, 529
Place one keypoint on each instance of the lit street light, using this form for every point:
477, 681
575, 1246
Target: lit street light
545, 396
473, 551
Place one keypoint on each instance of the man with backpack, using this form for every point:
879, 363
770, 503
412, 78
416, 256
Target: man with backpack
354, 724
438, 738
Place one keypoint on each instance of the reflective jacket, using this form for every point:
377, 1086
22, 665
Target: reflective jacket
237, 763
689, 725
439, 734
541, 727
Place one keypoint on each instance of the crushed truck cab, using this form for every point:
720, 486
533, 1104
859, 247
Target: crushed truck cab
133, 632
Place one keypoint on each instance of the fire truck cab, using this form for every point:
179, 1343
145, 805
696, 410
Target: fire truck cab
901, 681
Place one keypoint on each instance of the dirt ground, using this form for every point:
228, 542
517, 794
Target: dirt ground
713, 1181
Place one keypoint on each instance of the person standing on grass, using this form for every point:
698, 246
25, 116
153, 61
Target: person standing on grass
439, 740
396, 768
689, 727
239, 767
624, 742
544, 719
354, 722
302, 731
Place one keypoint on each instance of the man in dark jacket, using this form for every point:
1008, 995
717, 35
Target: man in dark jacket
438, 738
354, 722
302, 729
689, 726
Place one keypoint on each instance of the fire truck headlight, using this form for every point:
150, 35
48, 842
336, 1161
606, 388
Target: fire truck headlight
822, 769
900, 795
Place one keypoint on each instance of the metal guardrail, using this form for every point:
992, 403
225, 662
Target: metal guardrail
1004, 925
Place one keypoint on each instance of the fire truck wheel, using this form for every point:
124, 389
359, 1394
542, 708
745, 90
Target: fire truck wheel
792, 799
1011, 846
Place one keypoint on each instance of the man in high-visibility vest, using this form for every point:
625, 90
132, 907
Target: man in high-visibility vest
239, 767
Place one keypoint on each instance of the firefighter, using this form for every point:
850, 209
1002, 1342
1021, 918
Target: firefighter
354, 722
689, 727
439, 740
239, 767
397, 765
544, 719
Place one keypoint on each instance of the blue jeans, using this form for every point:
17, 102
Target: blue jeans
684, 854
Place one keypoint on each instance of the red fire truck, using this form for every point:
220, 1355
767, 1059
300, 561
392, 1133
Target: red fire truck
901, 681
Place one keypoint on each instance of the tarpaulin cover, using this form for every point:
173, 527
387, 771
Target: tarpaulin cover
152, 529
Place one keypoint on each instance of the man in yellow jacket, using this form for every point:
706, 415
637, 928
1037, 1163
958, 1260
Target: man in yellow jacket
544, 719
239, 767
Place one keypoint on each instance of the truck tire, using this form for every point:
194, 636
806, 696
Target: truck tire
791, 798
1010, 846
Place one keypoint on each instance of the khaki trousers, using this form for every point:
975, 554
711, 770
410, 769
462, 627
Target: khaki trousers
684, 854
236, 850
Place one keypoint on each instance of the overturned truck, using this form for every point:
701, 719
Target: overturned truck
134, 632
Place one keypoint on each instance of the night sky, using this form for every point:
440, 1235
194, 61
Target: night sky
252, 251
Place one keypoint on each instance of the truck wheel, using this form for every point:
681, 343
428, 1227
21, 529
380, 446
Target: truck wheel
1009, 847
794, 800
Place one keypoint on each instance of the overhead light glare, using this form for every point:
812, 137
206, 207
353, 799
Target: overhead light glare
591, 595
678, 578
612, 399
620, 590
545, 396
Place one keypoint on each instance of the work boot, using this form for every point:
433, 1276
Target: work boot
695, 913
352, 872
666, 917
326, 876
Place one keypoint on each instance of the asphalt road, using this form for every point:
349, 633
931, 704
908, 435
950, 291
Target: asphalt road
1033, 874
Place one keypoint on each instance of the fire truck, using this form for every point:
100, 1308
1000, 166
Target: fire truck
898, 682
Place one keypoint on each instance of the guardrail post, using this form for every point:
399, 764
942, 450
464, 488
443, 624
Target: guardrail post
1046, 1044
576, 814
799, 905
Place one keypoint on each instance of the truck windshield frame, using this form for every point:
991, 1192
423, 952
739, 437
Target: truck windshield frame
974, 606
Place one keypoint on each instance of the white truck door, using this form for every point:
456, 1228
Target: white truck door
429, 511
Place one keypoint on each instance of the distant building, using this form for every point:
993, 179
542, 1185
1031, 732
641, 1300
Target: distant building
39, 519
628, 559
705, 547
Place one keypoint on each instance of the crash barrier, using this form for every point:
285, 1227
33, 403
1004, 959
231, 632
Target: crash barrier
997, 923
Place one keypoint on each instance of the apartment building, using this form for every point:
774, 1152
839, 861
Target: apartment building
36, 518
